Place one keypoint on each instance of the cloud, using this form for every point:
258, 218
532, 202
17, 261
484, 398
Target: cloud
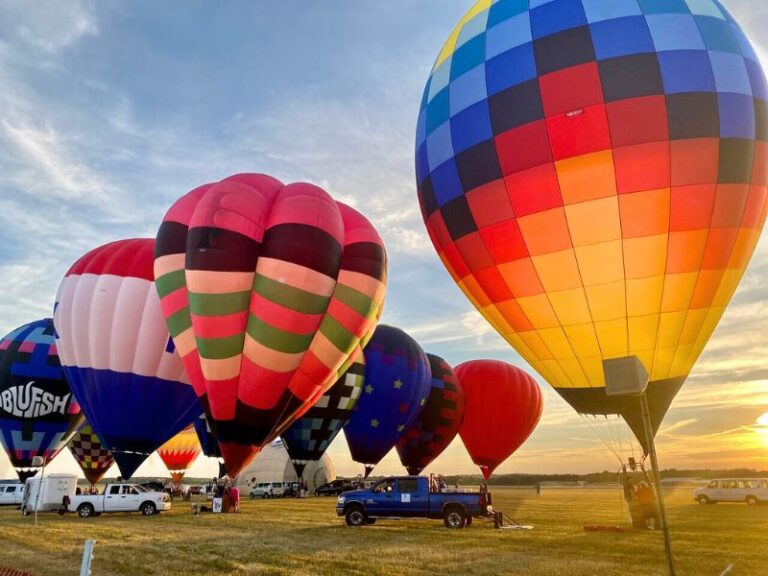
48, 25
63, 178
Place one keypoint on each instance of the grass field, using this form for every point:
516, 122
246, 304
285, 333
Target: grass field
303, 537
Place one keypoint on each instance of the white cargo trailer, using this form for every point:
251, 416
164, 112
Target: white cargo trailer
47, 494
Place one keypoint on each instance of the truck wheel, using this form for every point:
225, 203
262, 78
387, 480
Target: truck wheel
703, 499
148, 508
752, 501
454, 518
85, 510
355, 516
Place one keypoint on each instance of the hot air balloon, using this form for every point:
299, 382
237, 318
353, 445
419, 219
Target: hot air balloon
38, 414
503, 407
117, 353
310, 436
439, 421
593, 176
180, 452
397, 383
209, 443
94, 460
267, 289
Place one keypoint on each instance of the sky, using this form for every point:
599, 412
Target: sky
110, 111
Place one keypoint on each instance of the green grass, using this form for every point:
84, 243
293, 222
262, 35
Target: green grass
303, 537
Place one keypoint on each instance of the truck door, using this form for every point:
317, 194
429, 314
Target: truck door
114, 500
132, 498
385, 503
410, 502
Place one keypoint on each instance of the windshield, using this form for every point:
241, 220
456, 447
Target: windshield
141, 488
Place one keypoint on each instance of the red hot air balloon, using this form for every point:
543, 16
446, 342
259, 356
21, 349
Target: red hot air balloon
503, 407
267, 290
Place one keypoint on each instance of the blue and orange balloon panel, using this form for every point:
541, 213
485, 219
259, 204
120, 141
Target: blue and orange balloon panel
593, 176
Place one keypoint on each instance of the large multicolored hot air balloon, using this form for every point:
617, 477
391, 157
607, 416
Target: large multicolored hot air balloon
439, 421
94, 460
38, 414
504, 405
117, 353
397, 383
180, 452
593, 176
309, 437
267, 289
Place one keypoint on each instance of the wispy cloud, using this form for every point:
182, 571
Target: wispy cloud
48, 25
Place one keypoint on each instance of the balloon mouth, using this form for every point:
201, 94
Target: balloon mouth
487, 471
24, 473
237, 456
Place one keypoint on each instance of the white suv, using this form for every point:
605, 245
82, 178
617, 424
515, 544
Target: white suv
11, 494
262, 490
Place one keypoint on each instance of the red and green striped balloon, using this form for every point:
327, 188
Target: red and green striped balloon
267, 289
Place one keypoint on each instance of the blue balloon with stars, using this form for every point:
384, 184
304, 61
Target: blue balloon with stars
397, 384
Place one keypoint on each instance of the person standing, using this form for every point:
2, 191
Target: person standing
234, 496
645, 498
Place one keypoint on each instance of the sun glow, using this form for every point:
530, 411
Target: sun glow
762, 427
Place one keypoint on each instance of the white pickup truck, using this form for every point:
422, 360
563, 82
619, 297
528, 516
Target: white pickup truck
120, 498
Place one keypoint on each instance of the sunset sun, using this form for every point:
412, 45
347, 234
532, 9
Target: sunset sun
762, 427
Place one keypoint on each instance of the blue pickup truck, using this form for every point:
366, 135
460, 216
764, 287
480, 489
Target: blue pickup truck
411, 497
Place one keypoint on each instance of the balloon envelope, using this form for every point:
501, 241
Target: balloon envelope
209, 443
439, 421
117, 353
503, 407
89, 453
38, 414
267, 289
593, 176
180, 452
206, 437
397, 382
310, 436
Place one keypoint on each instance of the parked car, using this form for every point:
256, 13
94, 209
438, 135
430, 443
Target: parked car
120, 498
750, 490
269, 490
411, 497
282, 489
335, 487
196, 490
11, 493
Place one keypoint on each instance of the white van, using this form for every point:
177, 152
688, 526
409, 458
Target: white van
11, 493
269, 490
54, 488
750, 490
